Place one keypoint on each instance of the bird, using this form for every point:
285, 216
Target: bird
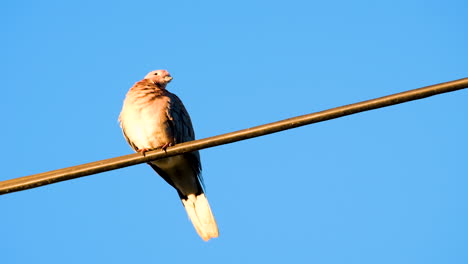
154, 118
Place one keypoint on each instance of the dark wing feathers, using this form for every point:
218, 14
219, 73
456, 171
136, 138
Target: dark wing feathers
181, 119
183, 130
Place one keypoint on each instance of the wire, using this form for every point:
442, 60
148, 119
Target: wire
37, 180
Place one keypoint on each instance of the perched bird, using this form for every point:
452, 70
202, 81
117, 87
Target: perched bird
153, 118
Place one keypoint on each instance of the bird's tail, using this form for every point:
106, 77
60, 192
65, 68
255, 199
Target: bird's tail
199, 212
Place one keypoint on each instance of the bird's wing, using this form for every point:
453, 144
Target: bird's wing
180, 119
182, 128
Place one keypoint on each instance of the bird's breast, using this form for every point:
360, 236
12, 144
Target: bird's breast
147, 125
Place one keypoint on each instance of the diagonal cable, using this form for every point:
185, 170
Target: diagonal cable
37, 180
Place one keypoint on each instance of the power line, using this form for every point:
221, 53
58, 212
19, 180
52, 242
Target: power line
37, 180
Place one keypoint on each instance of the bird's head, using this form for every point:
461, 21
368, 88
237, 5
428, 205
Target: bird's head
159, 77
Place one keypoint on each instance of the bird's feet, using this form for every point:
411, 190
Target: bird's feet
164, 147
143, 151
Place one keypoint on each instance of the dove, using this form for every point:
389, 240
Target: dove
154, 118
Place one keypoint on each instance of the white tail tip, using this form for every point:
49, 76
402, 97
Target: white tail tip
199, 212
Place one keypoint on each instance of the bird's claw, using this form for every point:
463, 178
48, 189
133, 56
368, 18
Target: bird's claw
164, 147
143, 150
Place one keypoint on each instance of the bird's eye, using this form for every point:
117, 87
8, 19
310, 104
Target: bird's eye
155, 73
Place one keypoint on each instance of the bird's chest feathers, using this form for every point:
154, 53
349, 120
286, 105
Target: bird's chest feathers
148, 126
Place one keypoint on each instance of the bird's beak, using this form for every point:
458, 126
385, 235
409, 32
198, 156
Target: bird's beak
167, 78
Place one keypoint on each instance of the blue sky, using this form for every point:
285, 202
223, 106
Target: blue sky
385, 186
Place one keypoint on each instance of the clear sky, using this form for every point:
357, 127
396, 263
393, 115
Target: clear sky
385, 186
